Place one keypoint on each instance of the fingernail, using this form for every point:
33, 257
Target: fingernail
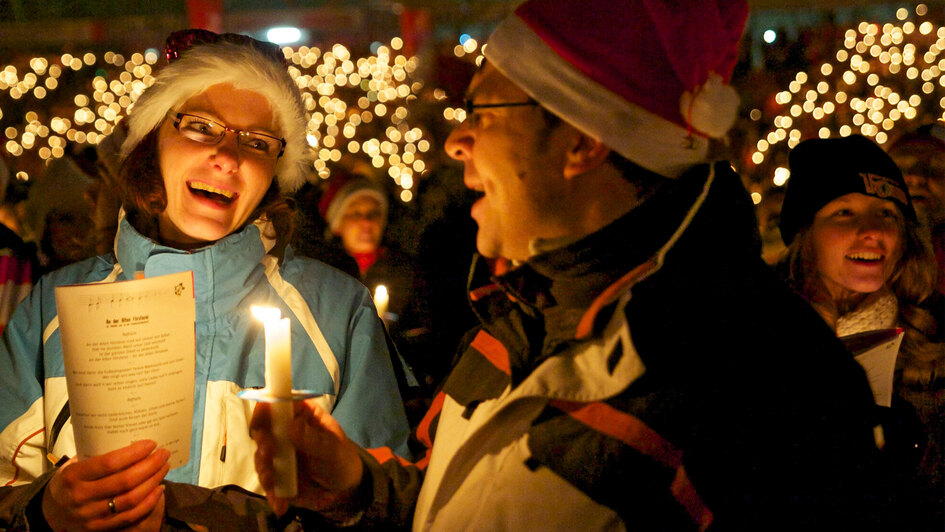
150, 444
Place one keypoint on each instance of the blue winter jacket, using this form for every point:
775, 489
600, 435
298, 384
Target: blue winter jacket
338, 347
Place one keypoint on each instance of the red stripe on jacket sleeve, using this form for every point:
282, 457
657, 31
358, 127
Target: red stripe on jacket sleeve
383, 454
627, 428
423, 429
493, 350
632, 431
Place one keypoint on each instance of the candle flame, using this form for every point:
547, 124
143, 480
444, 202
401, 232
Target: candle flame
266, 314
380, 291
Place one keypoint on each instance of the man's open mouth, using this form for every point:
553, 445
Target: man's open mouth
218, 195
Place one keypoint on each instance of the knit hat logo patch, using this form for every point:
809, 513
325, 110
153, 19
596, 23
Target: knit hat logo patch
883, 187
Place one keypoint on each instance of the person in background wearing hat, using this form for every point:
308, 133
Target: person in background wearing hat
857, 253
638, 366
355, 209
920, 154
211, 148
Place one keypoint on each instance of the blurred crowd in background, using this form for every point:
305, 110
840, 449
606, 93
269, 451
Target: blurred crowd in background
412, 220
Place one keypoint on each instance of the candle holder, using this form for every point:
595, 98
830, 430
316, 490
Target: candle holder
283, 458
262, 395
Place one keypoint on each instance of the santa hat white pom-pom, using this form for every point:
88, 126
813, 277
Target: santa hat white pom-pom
713, 109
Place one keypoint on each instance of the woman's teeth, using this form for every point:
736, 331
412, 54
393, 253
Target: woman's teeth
865, 256
211, 192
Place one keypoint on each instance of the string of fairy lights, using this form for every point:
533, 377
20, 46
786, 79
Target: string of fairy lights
358, 106
345, 96
469, 48
878, 81
881, 79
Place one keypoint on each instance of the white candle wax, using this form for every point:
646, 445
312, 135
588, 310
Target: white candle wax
279, 384
283, 456
278, 357
381, 299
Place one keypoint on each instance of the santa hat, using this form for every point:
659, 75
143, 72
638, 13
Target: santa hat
242, 66
342, 191
822, 170
649, 78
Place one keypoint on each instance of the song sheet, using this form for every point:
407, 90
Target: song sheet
876, 351
128, 350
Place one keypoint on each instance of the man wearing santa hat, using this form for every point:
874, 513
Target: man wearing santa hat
637, 366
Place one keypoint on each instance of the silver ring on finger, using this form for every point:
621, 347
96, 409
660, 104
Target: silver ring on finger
111, 506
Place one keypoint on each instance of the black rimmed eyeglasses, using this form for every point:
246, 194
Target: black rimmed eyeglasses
471, 107
206, 131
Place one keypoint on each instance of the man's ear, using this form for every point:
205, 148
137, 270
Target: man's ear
586, 154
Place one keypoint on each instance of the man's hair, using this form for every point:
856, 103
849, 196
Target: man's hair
645, 180
141, 187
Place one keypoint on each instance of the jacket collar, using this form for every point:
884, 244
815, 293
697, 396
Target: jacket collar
698, 224
572, 276
578, 283
231, 260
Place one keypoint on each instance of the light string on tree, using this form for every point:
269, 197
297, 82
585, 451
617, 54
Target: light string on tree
881, 79
357, 106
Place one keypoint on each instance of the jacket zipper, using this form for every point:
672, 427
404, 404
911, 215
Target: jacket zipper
223, 448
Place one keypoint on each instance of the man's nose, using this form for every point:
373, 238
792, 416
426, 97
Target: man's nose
458, 144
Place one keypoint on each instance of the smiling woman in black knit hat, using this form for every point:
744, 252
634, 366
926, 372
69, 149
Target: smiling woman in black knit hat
856, 253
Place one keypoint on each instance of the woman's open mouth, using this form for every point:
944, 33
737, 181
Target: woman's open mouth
865, 257
214, 194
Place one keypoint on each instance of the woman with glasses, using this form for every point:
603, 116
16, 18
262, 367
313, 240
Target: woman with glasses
211, 148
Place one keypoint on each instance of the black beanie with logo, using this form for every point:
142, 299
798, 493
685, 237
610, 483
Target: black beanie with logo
825, 169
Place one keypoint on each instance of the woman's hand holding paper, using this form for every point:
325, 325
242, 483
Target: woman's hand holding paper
119, 489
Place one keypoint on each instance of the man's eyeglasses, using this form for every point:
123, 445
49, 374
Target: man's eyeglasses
206, 131
183, 40
471, 107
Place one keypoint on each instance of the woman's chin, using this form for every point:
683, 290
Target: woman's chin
198, 232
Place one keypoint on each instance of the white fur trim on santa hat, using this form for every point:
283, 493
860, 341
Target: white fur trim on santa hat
714, 107
354, 189
639, 135
242, 67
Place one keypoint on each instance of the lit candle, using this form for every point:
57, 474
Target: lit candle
279, 385
381, 298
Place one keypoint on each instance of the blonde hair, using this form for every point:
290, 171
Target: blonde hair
912, 282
